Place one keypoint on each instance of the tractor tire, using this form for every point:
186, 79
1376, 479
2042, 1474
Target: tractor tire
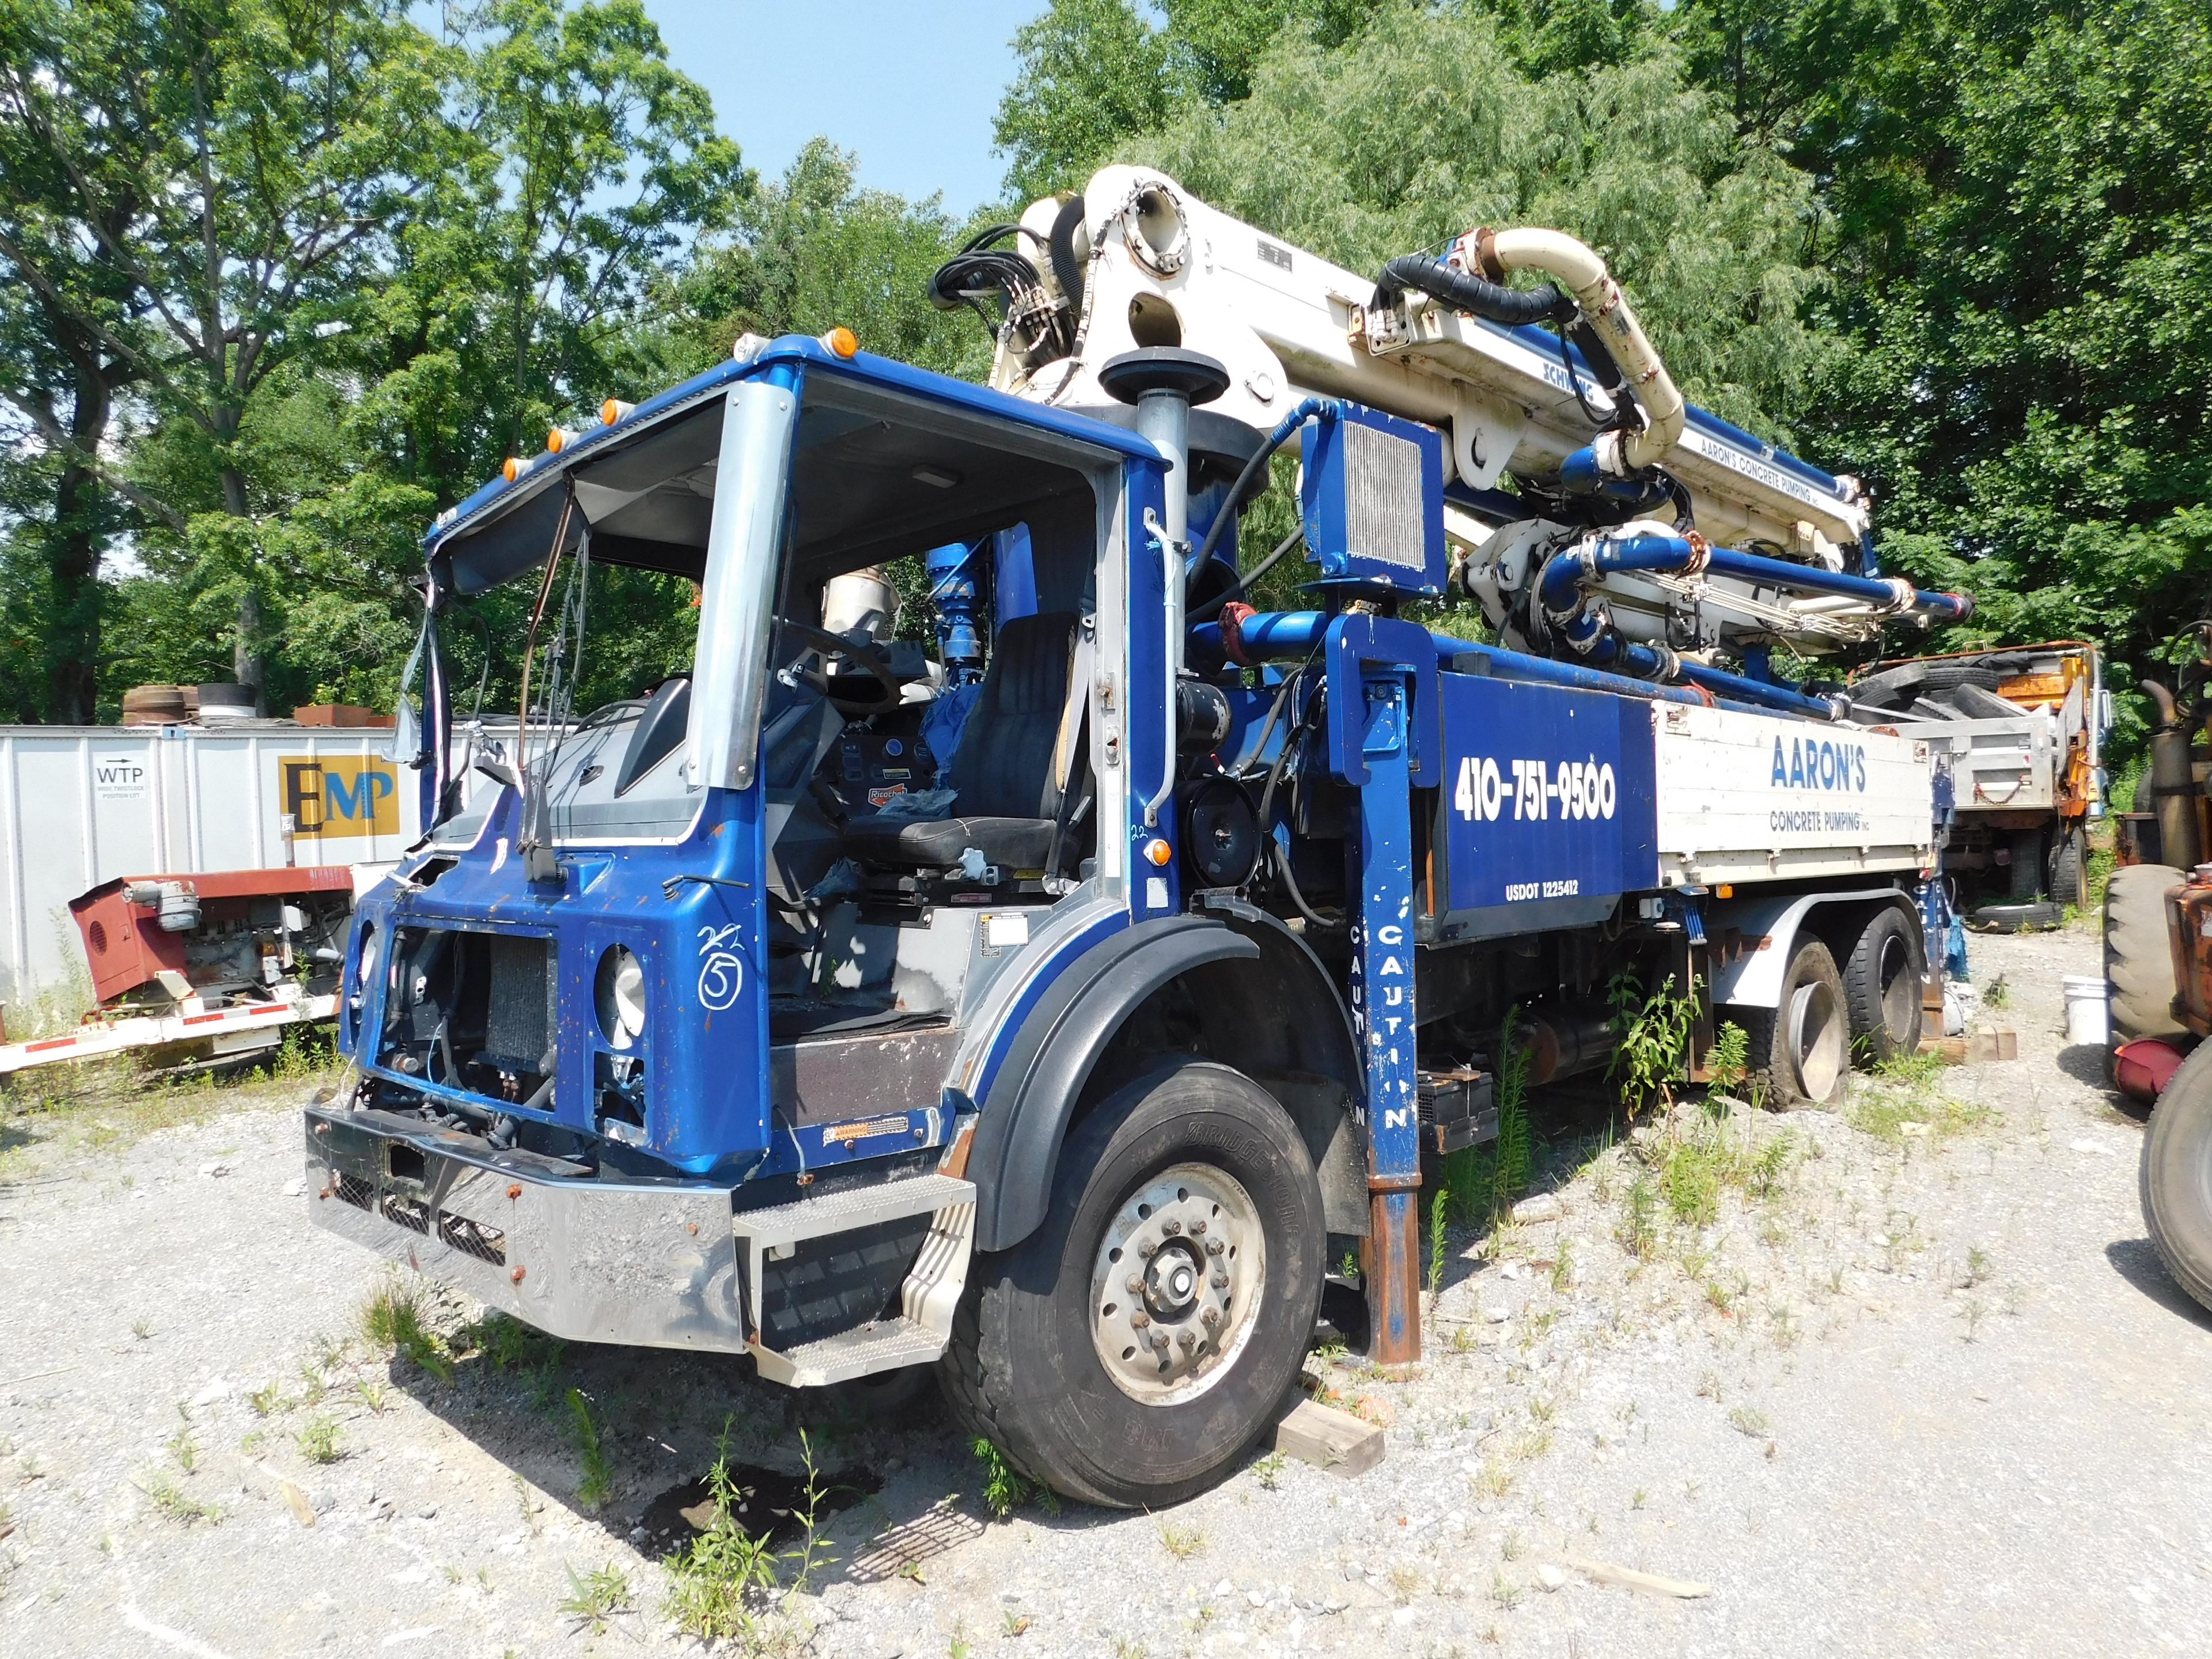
2069, 866
2177, 1176
1882, 986
1194, 1184
2138, 959
1799, 1053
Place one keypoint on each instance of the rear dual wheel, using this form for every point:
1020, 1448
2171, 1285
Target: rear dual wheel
1128, 1351
1799, 1053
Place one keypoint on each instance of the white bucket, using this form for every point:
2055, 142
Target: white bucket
2087, 1012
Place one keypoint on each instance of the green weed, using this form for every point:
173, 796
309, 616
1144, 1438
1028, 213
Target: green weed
1006, 1489
1654, 1032
1639, 1221
596, 1597
391, 1319
596, 1483
317, 1440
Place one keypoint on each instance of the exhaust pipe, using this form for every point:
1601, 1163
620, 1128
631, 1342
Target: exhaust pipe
2172, 789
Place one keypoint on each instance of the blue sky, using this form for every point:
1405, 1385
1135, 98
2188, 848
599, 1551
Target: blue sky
910, 87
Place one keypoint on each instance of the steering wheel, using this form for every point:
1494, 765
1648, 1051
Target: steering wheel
835, 644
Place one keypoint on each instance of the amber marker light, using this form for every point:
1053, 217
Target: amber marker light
558, 440
842, 341
1158, 851
613, 410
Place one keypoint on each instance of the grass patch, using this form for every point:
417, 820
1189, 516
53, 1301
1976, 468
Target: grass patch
1903, 1098
1182, 1542
392, 1321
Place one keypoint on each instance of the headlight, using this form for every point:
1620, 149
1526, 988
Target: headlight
620, 994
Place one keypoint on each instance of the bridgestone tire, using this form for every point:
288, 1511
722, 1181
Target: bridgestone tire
2069, 867
2177, 1176
1021, 1367
1881, 986
2138, 959
1774, 1075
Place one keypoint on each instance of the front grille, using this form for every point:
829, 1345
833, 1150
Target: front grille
352, 1189
472, 1238
408, 1212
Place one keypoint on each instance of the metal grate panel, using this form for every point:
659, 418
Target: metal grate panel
408, 1212
1382, 497
472, 1238
352, 1189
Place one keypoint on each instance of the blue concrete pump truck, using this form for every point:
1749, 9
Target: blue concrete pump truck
1058, 1004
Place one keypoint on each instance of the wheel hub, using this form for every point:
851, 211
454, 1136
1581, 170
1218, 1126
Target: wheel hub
1175, 1283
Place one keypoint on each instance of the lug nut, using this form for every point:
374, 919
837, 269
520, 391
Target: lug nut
1146, 1246
1134, 1285
1187, 1340
1220, 1281
1140, 1319
1159, 1341
1198, 1227
1215, 1247
1212, 1317
1171, 1226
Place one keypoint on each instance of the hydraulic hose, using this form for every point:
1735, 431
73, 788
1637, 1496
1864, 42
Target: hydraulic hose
1290, 423
1464, 291
1066, 269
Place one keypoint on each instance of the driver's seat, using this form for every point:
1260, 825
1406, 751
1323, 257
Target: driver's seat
1003, 769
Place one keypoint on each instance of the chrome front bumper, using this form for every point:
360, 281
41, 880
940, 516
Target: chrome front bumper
650, 1264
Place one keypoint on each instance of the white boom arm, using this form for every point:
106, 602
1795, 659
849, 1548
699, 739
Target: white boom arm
1161, 268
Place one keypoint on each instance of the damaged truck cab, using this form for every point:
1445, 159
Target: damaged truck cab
1063, 1004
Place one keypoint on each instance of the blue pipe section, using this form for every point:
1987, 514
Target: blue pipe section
1291, 636
1721, 683
1558, 588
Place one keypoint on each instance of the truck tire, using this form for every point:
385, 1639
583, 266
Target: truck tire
1800, 1052
2177, 1175
1881, 986
2138, 960
1192, 1182
2069, 866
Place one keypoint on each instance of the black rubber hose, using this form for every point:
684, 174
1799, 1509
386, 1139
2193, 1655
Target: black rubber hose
1464, 291
1066, 269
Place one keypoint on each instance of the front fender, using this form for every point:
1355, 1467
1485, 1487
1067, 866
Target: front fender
1025, 1115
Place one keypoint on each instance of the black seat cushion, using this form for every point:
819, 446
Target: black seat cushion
1011, 843
1003, 766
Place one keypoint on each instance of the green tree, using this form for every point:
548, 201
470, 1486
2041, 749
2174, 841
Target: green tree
1093, 73
1426, 125
2015, 202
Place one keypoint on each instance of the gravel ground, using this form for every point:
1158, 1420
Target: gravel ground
1917, 1387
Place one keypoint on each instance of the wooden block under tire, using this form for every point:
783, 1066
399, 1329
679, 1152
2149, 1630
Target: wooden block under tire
1979, 1048
1328, 1438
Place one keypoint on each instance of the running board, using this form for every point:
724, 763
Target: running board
918, 1332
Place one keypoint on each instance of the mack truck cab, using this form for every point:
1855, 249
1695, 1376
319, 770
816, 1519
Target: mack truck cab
677, 1037
1056, 1005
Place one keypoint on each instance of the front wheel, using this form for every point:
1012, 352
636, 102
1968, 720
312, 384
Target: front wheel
2177, 1175
1128, 1351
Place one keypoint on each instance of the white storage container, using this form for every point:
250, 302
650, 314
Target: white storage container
82, 804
